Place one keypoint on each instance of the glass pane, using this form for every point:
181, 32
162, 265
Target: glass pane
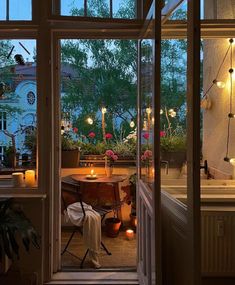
218, 153
3, 10
180, 13
97, 8
223, 9
20, 10
18, 109
124, 9
147, 120
173, 115
72, 7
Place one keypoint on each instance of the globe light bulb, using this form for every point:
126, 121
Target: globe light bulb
103, 110
148, 111
132, 124
90, 121
220, 84
161, 112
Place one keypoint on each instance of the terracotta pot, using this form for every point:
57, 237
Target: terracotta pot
112, 226
70, 158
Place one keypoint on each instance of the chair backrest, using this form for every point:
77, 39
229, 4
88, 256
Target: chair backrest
70, 193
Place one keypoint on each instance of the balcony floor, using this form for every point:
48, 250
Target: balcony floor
123, 252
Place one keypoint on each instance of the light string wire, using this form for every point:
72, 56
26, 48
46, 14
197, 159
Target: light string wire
213, 83
230, 99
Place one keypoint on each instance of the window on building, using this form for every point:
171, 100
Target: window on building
15, 10
3, 121
125, 9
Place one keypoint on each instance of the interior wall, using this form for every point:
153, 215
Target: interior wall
215, 119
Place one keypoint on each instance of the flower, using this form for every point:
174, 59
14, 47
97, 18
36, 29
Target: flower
75, 130
162, 134
147, 156
91, 135
110, 157
108, 136
146, 136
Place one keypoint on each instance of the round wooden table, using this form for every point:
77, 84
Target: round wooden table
114, 181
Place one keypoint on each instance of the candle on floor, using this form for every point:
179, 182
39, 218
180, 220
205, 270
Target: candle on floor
129, 234
30, 178
17, 179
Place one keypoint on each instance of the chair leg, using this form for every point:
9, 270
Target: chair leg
105, 248
84, 257
68, 242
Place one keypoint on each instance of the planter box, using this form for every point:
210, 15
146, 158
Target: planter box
175, 159
70, 158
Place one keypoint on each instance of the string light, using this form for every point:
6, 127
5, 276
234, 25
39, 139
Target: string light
103, 110
148, 111
132, 123
90, 121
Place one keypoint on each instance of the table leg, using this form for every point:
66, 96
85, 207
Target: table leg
117, 200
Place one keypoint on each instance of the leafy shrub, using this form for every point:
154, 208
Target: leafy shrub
67, 143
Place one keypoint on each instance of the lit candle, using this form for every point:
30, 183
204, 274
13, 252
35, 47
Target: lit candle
17, 179
92, 172
129, 234
30, 178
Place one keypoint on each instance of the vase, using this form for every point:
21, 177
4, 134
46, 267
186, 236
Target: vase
109, 171
147, 171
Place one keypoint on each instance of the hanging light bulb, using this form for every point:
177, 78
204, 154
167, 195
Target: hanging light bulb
132, 123
103, 110
161, 111
19, 59
172, 113
90, 121
148, 110
219, 84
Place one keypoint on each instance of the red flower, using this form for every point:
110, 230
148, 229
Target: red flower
146, 136
108, 136
91, 135
75, 130
162, 134
109, 153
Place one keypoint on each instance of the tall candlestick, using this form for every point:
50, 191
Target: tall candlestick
30, 178
17, 179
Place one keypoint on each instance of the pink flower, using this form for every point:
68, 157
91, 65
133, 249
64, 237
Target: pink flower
162, 134
75, 130
114, 157
146, 136
148, 154
91, 135
109, 153
108, 136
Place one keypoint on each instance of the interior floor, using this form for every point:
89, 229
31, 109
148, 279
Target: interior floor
124, 252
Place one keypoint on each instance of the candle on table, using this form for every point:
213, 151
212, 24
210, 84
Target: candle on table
93, 173
17, 179
129, 234
30, 178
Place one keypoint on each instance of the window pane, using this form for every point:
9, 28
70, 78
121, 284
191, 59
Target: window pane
72, 7
97, 8
124, 9
20, 10
18, 104
3, 10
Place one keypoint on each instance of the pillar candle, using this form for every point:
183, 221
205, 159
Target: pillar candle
129, 234
30, 178
17, 179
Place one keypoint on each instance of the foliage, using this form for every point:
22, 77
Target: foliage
173, 143
132, 180
13, 221
90, 148
125, 149
67, 143
30, 142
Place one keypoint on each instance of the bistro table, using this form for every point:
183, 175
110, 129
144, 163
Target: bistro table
101, 181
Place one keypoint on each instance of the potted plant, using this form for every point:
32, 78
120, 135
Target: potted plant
13, 223
173, 146
70, 155
9, 158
